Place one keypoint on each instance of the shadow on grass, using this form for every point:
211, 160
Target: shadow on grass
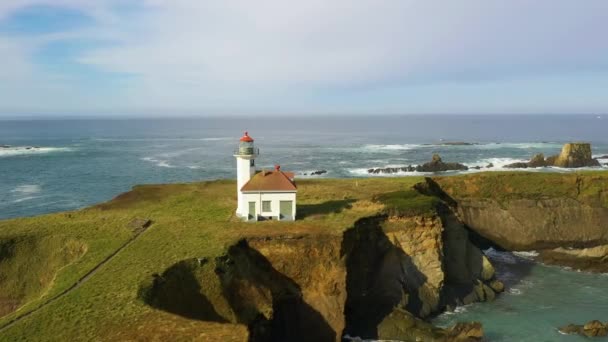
178, 291
251, 292
329, 207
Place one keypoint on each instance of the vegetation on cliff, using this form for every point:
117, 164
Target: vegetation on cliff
189, 221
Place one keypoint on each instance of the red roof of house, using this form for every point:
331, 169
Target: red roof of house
246, 137
276, 180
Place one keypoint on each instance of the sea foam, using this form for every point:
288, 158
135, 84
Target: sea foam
26, 150
160, 163
392, 147
27, 189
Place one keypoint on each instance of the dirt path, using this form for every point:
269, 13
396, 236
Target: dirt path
79, 282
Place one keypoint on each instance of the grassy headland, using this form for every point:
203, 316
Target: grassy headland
42, 257
188, 220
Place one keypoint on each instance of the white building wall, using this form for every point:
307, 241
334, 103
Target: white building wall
244, 172
274, 197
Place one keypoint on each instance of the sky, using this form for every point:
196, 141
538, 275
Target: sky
242, 57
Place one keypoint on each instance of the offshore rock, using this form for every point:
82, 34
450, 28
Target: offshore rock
576, 155
573, 155
435, 165
592, 259
401, 325
593, 328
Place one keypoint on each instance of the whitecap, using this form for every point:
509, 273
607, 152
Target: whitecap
524, 146
23, 199
27, 189
160, 163
515, 291
457, 310
28, 150
498, 163
392, 147
529, 255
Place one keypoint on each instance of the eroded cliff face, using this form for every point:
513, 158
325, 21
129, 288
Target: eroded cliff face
564, 217
525, 224
320, 287
420, 264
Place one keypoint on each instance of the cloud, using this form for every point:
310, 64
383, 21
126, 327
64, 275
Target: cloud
199, 54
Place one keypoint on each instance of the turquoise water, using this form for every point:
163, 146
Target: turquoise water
538, 299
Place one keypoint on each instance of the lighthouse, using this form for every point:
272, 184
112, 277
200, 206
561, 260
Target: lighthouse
262, 195
245, 169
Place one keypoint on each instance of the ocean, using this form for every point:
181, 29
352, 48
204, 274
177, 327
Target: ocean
54, 165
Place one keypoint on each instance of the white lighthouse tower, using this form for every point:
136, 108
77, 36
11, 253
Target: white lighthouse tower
245, 169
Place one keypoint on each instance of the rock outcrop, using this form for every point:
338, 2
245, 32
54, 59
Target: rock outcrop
573, 155
590, 329
593, 259
316, 173
435, 165
576, 155
401, 325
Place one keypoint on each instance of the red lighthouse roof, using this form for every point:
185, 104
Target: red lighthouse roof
246, 138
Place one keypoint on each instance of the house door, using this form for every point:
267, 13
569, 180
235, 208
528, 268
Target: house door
252, 214
286, 209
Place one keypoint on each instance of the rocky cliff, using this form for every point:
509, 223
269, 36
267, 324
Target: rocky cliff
321, 287
564, 216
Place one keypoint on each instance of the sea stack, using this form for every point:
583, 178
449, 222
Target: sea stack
577, 154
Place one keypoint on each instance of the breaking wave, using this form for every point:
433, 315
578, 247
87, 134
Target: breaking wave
27, 189
158, 162
392, 147
30, 150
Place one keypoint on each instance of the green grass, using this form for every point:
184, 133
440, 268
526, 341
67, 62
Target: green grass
589, 187
408, 203
28, 265
189, 221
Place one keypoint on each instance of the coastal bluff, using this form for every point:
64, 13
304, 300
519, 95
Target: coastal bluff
373, 258
563, 217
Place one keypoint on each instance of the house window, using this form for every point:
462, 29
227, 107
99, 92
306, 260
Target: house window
266, 206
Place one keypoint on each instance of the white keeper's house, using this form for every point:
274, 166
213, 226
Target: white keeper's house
262, 195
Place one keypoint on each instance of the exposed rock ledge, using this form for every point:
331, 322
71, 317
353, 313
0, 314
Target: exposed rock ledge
590, 329
563, 217
435, 165
593, 259
321, 287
